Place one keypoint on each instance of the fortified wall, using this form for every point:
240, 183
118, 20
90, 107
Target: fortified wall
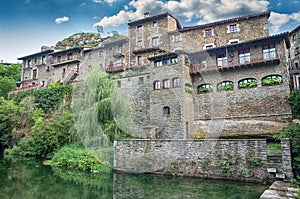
246, 159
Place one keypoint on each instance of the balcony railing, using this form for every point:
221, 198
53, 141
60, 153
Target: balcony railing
66, 60
233, 62
116, 67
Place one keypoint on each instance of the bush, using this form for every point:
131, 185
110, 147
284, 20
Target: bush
48, 136
75, 156
293, 133
294, 100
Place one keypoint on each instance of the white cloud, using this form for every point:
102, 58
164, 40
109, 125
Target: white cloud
279, 4
105, 1
61, 20
277, 20
201, 10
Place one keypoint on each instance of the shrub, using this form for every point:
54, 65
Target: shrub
75, 156
294, 100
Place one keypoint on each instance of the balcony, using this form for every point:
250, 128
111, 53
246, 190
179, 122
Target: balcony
66, 61
234, 62
117, 67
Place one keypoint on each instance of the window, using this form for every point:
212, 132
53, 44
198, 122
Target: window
222, 59
34, 74
233, 41
176, 82
29, 63
269, 51
244, 56
208, 46
154, 24
119, 84
294, 37
166, 110
177, 38
141, 80
140, 43
156, 85
208, 33
58, 58
35, 60
166, 83
296, 65
205, 88
271, 80
248, 82
140, 60
70, 56
140, 29
155, 41
225, 85
174, 60
44, 59
63, 73
120, 48
166, 61
233, 28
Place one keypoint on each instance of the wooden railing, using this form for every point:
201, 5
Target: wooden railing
233, 62
66, 60
71, 75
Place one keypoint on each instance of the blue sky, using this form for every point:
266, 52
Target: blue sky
26, 25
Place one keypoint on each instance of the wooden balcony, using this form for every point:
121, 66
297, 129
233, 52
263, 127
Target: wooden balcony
116, 67
234, 62
75, 58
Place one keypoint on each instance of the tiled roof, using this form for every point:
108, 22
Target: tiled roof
36, 54
226, 21
153, 18
64, 51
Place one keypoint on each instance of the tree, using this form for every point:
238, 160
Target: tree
294, 100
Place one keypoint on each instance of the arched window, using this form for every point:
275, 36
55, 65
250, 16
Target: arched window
156, 85
205, 88
166, 83
271, 80
248, 82
225, 86
166, 110
176, 82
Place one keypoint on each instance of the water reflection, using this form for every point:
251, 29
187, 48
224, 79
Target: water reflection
30, 179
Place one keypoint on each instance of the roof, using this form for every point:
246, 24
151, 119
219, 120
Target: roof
67, 50
236, 19
36, 54
295, 30
153, 18
273, 38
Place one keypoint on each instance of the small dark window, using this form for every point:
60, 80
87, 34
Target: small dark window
296, 65
166, 110
141, 80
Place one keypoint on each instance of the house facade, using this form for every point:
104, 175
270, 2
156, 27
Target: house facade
214, 79
295, 57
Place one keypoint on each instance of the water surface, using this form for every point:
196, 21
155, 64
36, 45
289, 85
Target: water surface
29, 179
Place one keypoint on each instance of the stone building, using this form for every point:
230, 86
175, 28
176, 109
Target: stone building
215, 79
295, 58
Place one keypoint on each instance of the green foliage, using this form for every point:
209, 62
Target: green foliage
271, 80
293, 133
48, 136
226, 166
8, 122
294, 100
247, 84
225, 87
47, 99
189, 89
75, 156
9, 75
254, 162
205, 90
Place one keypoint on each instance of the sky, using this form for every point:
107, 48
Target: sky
26, 25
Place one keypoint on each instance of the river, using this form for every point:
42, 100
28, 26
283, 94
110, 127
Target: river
29, 179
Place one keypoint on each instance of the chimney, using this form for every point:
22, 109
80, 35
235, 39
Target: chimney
146, 14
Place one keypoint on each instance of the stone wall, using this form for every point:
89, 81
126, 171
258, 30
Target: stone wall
244, 160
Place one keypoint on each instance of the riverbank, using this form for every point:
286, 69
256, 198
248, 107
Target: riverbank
280, 190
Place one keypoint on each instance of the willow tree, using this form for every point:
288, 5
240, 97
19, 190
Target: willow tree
95, 120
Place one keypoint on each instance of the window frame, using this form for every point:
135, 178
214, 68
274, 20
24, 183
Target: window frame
155, 41
139, 60
233, 28
208, 32
244, 56
269, 51
176, 82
